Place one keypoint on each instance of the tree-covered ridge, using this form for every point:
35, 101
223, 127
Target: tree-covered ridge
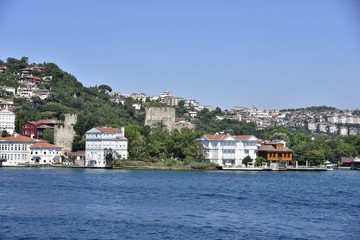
311, 109
94, 108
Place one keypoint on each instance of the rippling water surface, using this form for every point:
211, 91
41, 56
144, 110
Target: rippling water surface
50, 203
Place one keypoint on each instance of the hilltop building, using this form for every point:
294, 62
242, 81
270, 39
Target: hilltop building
103, 145
226, 150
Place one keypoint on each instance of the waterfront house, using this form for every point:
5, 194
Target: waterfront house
104, 145
275, 151
16, 150
7, 121
226, 150
78, 158
45, 153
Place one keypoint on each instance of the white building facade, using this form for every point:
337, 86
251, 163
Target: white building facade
15, 150
7, 121
45, 153
103, 142
226, 150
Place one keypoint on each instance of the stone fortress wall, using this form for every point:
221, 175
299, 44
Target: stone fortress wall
65, 133
164, 115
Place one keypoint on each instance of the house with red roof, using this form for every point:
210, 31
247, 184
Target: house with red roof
45, 153
228, 150
104, 145
15, 150
36, 128
20, 150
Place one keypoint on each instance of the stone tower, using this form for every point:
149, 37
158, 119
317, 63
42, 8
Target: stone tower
64, 134
164, 115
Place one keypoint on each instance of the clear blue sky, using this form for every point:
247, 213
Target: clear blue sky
270, 54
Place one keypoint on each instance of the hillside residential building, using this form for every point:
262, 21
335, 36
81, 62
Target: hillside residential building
8, 89
227, 150
15, 150
6, 104
36, 128
275, 151
171, 100
45, 153
102, 143
7, 121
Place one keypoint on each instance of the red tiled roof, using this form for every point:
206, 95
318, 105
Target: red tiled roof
44, 122
19, 138
216, 136
108, 130
43, 145
43, 126
243, 137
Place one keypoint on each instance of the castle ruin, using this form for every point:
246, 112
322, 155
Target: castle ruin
163, 115
64, 134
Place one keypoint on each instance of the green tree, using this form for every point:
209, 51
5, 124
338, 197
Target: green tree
247, 160
281, 136
49, 135
259, 161
315, 157
78, 144
4, 134
136, 142
104, 88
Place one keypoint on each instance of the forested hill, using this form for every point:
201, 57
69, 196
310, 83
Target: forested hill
94, 108
68, 95
92, 105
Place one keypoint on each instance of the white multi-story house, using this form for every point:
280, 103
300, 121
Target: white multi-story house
45, 153
7, 121
8, 89
139, 96
15, 150
344, 131
229, 150
333, 129
102, 143
312, 126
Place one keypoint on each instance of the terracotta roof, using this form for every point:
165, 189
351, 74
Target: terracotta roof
243, 137
19, 138
216, 136
108, 130
44, 145
43, 126
44, 122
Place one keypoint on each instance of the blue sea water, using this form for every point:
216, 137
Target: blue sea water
50, 203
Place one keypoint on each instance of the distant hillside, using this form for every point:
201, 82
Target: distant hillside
311, 109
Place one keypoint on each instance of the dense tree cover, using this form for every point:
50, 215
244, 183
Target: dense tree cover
312, 109
158, 143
